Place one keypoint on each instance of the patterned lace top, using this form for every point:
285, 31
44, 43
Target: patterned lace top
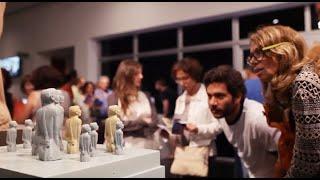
306, 111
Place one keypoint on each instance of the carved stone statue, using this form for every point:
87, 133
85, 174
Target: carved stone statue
85, 143
34, 143
12, 137
48, 125
73, 129
119, 138
5, 116
110, 127
27, 133
58, 100
94, 137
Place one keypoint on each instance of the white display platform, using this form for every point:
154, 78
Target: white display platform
134, 163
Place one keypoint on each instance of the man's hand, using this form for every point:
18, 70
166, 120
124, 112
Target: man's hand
192, 128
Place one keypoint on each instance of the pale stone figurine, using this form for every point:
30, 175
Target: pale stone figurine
94, 137
5, 116
12, 137
110, 127
85, 143
58, 100
48, 127
119, 138
34, 143
73, 129
27, 133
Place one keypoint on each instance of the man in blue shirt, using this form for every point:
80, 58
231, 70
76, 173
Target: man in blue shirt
253, 85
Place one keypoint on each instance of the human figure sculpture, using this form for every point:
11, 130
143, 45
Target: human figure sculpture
34, 143
85, 143
119, 143
48, 127
27, 133
110, 127
58, 100
5, 116
94, 137
73, 129
12, 137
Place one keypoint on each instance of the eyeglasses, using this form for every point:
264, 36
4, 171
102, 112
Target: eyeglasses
257, 56
180, 79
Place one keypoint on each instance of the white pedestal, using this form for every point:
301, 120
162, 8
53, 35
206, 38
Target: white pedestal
134, 163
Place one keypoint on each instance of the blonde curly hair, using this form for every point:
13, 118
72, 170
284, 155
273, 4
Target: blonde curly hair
289, 55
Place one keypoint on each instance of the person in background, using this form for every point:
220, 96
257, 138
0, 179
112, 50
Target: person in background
26, 88
241, 120
70, 80
192, 106
101, 96
88, 102
167, 97
253, 85
78, 97
137, 111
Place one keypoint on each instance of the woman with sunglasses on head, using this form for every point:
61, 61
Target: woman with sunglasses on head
292, 102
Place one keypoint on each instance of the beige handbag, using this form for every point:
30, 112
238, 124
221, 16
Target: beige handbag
192, 161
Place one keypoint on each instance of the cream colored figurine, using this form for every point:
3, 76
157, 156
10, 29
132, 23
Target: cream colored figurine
5, 116
73, 129
110, 127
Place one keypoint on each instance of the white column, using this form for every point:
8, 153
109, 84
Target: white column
237, 59
87, 63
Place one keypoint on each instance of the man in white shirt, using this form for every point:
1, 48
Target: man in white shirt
242, 121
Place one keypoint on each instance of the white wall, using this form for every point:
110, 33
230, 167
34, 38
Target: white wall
65, 24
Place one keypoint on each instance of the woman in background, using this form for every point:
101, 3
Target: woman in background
137, 111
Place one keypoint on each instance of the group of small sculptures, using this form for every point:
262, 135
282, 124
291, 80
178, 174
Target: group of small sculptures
45, 140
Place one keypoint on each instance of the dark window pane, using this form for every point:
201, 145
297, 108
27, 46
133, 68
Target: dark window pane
122, 45
158, 40
213, 58
110, 68
315, 15
207, 33
293, 17
155, 68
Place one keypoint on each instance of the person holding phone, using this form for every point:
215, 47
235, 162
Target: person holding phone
192, 106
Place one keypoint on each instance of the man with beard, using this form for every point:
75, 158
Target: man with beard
242, 121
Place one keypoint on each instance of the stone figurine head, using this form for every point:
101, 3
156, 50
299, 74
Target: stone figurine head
114, 110
94, 126
13, 124
74, 111
119, 125
28, 122
85, 128
48, 96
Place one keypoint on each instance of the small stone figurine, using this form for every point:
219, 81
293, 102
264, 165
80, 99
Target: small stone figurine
110, 127
58, 101
48, 126
27, 133
119, 138
94, 137
12, 137
85, 143
73, 129
34, 143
